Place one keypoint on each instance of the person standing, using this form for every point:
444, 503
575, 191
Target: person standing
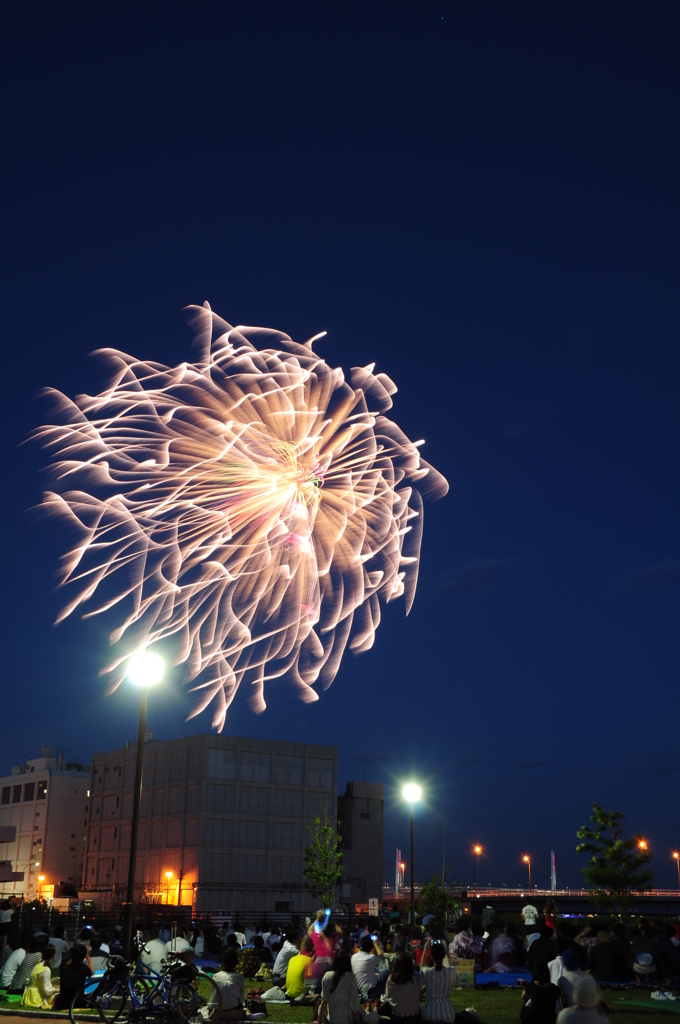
529, 915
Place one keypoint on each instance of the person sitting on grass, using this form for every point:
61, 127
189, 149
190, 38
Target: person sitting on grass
587, 1008
572, 972
73, 976
540, 997
604, 962
20, 947
403, 991
40, 992
25, 968
299, 985
340, 994
232, 989
437, 983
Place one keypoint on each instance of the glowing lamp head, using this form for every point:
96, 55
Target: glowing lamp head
41, 878
643, 844
411, 792
168, 875
478, 849
525, 859
676, 856
145, 668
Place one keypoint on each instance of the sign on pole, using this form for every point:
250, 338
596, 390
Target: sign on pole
372, 908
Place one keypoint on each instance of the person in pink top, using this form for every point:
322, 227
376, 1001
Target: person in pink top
325, 937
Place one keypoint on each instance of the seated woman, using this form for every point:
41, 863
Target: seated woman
340, 994
40, 991
403, 991
539, 999
325, 936
73, 976
437, 983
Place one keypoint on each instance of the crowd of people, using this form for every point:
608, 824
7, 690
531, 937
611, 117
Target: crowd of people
381, 967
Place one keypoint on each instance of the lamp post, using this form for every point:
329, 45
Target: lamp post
168, 875
476, 850
676, 858
642, 844
411, 794
145, 669
527, 860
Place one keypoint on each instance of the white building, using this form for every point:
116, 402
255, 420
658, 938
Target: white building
223, 822
47, 801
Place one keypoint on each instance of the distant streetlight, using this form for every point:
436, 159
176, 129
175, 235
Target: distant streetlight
527, 860
168, 875
144, 670
476, 850
411, 795
676, 858
642, 844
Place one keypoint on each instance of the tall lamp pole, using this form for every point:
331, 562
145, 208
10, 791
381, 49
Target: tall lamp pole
527, 861
676, 858
145, 669
476, 850
411, 794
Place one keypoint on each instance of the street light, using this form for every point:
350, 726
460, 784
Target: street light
476, 850
676, 858
144, 670
411, 794
168, 875
642, 844
527, 861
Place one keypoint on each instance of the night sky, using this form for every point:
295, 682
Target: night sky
483, 199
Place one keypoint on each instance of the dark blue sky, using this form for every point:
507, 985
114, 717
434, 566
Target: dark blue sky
482, 198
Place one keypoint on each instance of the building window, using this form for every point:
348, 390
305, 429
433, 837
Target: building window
29, 791
5, 794
283, 906
115, 833
42, 790
255, 767
16, 794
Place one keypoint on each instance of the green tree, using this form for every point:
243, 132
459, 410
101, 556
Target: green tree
434, 899
323, 861
616, 866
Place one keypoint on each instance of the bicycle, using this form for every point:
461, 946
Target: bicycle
121, 995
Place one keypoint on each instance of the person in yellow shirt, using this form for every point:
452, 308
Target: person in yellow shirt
298, 970
40, 991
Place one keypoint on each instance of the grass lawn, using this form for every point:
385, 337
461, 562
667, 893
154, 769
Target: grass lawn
498, 1006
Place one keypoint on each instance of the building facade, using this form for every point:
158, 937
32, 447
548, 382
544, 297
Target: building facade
223, 822
46, 800
360, 823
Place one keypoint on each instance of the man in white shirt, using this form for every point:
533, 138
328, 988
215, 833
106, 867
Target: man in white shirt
153, 952
289, 949
569, 978
529, 915
14, 959
60, 944
365, 965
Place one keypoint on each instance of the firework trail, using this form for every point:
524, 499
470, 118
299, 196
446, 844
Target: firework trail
252, 507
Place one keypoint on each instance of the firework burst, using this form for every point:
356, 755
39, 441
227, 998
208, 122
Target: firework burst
253, 508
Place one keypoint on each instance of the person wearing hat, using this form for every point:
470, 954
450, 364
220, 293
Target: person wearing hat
571, 973
587, 1008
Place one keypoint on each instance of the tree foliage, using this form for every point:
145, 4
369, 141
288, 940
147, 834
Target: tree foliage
323, 861
434, 899
616, 866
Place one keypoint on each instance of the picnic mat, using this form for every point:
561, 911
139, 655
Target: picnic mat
511, 978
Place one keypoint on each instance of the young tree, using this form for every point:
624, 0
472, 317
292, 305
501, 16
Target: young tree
616, 866
323, 861
434, 899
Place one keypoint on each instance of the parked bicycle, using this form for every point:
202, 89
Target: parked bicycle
133, 994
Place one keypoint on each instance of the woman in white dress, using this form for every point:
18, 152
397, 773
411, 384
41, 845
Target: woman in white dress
438, 982
340, 994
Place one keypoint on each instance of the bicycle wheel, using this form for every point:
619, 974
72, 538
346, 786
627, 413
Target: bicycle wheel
182, 1002
111, 1001
208, 1000
84, 1002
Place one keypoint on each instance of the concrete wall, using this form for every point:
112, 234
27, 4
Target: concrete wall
360, 822
226, 815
